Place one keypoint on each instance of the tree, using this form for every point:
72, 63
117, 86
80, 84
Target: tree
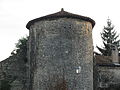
5, 85
110, 39
21, 48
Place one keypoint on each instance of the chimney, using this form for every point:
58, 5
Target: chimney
115, 55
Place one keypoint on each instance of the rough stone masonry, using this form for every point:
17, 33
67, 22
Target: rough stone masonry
59, 45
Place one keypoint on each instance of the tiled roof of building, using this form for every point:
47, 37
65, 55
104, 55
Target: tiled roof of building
60, 14
105, 61
99, 59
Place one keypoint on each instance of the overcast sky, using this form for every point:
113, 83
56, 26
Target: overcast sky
14, 15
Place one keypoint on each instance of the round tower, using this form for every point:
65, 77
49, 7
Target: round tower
61, 52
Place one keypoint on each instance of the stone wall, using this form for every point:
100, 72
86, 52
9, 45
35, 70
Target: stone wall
56, 49
108, 77
14, 69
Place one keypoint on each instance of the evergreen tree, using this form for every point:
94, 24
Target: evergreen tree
110, 39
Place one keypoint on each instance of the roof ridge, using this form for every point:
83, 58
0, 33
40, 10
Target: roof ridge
61, 14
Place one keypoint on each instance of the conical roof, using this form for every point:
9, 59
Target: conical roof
60, 14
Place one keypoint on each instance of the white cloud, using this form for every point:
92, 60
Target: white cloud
14, 15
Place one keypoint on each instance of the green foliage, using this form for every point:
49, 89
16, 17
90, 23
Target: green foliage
5, 85
109, 37
21, 48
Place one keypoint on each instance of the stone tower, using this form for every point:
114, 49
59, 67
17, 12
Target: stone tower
61, 52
